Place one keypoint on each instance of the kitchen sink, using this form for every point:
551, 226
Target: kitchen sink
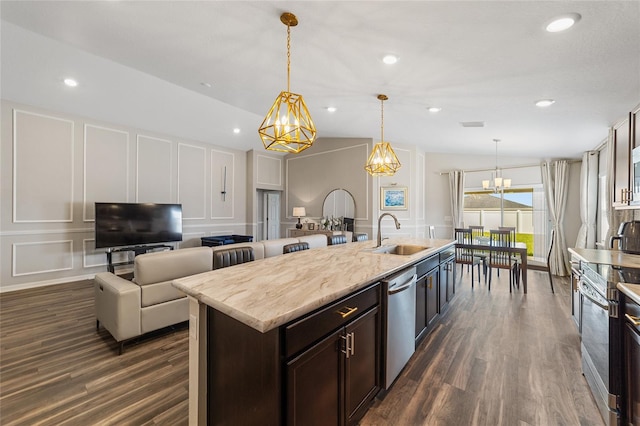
400, 249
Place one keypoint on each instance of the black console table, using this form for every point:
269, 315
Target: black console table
136, 250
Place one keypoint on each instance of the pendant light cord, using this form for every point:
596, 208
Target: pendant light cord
288, 57
381, 120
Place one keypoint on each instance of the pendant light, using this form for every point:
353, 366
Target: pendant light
497, 182
288, 126
382, 160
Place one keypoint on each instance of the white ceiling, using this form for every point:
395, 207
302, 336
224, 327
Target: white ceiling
478, 60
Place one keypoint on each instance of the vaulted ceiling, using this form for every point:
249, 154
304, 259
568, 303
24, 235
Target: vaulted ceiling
144, 63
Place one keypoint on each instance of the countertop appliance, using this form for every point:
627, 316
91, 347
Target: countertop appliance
635, 175
601, 336
400, 292
628, 237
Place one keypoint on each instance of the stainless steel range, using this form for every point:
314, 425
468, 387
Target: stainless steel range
601, 336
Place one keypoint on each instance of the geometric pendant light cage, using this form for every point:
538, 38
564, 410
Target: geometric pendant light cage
383, 160
288, 126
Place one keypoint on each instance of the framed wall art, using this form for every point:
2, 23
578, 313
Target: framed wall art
393, 198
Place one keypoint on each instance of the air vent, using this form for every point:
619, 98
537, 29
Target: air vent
472, 123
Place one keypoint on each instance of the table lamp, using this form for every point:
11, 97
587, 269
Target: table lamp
299, 212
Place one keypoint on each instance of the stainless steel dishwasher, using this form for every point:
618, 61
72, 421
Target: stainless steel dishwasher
400, 291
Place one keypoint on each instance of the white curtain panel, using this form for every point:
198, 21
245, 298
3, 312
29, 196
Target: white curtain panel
456, 188
588, 200
555, 179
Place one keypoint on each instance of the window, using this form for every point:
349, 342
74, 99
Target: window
522, 208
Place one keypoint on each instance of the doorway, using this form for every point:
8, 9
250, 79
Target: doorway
269, 222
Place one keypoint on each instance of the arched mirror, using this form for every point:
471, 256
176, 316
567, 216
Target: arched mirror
340, 203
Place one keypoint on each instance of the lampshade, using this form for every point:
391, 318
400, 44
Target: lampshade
288, 126
299, 212
383, 160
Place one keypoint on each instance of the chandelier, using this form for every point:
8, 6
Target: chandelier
382, 160
497, 182
288, 126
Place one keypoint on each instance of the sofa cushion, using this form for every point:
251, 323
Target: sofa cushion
315, 240
164, 314
161, 292
152, 268
275, 247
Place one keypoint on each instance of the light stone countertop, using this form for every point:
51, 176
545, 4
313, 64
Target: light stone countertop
630, 290
268, 293
607, 257
615, 258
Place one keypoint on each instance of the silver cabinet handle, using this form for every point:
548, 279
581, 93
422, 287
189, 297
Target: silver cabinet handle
349, 344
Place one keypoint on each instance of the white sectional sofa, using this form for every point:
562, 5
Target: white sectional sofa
128, 309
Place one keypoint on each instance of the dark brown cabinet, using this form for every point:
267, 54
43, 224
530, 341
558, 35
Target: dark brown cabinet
427, 301
631, 363
332, 381
446, 280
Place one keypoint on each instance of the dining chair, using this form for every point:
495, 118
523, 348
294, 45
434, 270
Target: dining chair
545, 266
336, 239
465, 256
513, 241
291, 248
358, 236
477, 232
501, 259
232, 256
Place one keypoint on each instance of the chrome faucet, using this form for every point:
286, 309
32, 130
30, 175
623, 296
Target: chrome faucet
380, 220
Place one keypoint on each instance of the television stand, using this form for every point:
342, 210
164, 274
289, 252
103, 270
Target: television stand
136, 251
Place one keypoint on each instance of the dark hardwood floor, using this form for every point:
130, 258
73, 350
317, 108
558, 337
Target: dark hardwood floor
497, 359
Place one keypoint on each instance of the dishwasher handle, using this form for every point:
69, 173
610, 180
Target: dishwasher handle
404, 286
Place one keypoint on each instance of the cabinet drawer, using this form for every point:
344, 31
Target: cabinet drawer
446, 255
315, 326
426, 265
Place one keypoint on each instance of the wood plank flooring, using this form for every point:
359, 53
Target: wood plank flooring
497, 359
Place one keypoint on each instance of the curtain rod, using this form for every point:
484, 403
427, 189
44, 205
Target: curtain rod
502, 168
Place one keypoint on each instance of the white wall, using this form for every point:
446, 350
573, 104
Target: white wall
55, 166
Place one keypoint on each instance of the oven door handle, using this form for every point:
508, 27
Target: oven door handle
586, 294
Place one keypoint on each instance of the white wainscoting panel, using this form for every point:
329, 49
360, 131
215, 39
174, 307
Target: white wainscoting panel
268, 170
153, 181
106, 167
91, 256
41, 257
42, 168
192, 163
222, 208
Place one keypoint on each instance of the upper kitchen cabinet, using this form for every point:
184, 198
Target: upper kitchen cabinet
622, 167
636, 128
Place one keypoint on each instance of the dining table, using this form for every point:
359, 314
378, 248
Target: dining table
518, 248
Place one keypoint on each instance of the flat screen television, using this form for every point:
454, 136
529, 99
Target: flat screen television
136, 224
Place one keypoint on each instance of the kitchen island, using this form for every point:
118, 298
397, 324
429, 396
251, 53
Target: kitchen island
252, 324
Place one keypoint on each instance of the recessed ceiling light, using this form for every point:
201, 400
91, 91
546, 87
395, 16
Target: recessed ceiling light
390, 59
563, 22
434, 109
331, 109
236, 130
70, 82
543, 103
205, 84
